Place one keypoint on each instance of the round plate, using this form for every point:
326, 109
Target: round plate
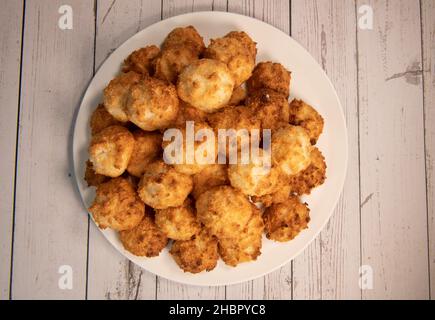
309, 83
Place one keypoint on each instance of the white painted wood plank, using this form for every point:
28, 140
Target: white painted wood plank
329, 270
167, 290
277, 285
10, 53
307, 273
50, 223
176, 7
428, 37
394, 218
110, 275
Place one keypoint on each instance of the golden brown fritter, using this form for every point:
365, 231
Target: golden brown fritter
188, 113
152, 104
162, 186
235, 54
142, 60
196, 255
245, 246
257, 178
206, 85
117, 205
178, 223
204, 151
145, 239
271, 76
147, 147
110, 151
93, 179
186, 37
172, 61
270, 107
224, 211
304, 115
280, 194
291, 149
311, 177
284, 221
101, 119
238, 97
239, 118
212, 176
117, 93
246, 40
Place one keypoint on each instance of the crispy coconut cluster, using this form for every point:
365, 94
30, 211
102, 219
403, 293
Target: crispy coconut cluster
202, 209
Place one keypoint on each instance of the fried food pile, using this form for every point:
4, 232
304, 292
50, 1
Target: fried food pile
202, 210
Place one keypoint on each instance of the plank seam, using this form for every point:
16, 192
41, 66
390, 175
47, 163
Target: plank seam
16, 151
89, 220
359, 135
425, 146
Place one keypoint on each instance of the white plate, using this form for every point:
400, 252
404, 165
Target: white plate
309, 83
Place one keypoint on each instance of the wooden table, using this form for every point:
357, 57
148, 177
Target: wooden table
385, 219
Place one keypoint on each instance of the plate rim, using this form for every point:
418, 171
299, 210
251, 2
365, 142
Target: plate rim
340, 183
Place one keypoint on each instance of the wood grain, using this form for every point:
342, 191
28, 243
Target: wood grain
110, 275
428, 52
329, 269
393, 219
384, 78
51, 225
10, 56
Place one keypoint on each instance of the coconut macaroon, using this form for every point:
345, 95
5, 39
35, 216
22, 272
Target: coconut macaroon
152, 104
178, 223
186, 37
188, 113
238, 97
197, 254
239, 118
245, 246
311, 177
203, 153
110, 151
245, 39
212, 176
206, 84
145, 239
92, 178
142, 60
117, 93
101, 119
255, 178
271, 76
236, 54
172, 61
304, 115
291, 149
147, 147
270, 107
161, 186
284, 221
234, 117
117, 205
280, 194
224, 211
